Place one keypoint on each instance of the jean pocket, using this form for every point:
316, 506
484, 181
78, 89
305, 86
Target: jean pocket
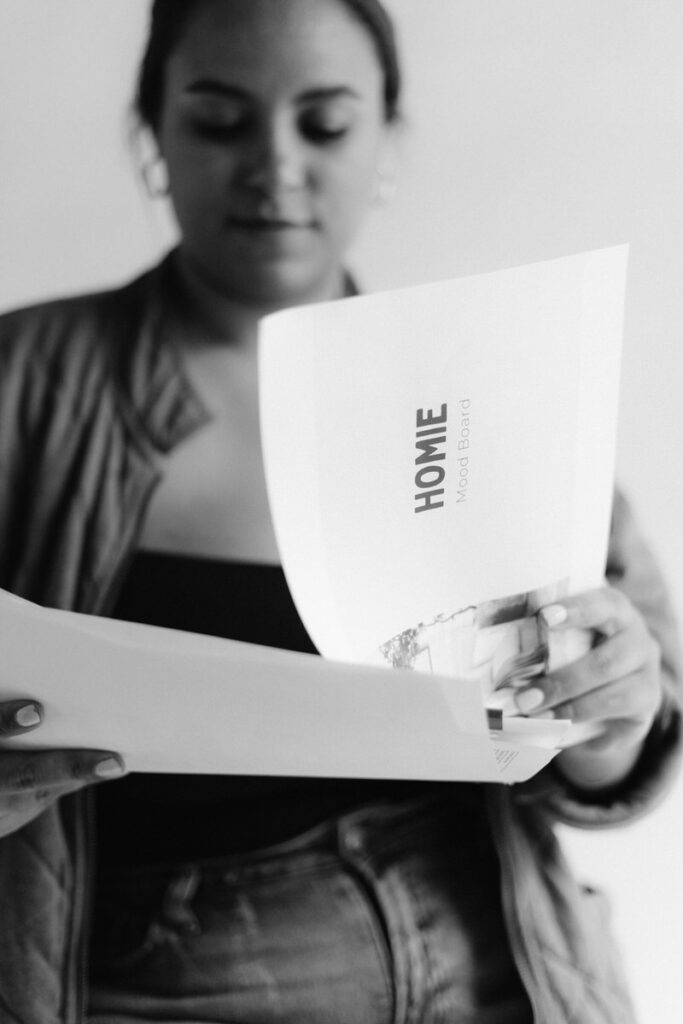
370, 919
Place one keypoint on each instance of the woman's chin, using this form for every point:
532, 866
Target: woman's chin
263, 283
277, 284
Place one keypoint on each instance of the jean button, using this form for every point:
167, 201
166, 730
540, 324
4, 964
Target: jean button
353, 839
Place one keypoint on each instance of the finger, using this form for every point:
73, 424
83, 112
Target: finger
613, 658
628, 652
24, 770
628, 700
605, 609
14, 804
18, 809
19, 716
14, 819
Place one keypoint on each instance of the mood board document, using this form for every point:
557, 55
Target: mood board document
440, 464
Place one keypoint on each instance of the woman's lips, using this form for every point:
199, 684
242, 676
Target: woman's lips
270, 224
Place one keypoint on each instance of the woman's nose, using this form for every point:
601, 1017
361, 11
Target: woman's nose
276, 163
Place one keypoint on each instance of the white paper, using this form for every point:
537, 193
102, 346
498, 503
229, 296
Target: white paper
523, 364
439, 451
178, 702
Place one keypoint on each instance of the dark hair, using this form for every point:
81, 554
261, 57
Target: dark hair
168, 19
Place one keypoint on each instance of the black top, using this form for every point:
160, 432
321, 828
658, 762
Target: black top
148, 818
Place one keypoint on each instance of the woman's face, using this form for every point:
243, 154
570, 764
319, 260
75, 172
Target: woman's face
272, 128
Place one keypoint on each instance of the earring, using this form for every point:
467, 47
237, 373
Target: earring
155, 176
385, 187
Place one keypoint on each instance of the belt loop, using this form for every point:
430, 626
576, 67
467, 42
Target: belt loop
178, 897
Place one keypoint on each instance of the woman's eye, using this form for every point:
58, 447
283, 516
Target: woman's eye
323, 131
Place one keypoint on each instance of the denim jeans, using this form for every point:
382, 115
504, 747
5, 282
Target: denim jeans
387, 914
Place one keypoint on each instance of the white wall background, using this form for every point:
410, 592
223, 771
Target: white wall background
536, 128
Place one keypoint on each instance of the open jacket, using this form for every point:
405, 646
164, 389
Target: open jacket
92, 394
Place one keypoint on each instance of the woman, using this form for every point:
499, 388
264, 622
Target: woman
132, 485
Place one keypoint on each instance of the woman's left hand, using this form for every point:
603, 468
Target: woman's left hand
616, 684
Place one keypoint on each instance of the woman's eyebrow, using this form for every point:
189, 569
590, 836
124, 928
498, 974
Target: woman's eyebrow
214, 87
330, 92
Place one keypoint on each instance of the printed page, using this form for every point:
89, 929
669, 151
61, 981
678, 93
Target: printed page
440, 465
436, 447
178, 702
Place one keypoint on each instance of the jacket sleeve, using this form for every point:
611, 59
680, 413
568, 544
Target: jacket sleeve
632, 569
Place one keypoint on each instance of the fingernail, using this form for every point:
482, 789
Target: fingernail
108, 768
527, 700
27, 716
554, 614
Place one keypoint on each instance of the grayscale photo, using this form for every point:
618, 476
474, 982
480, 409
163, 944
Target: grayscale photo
341, 580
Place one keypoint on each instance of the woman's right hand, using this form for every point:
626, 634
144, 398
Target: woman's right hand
30, 780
